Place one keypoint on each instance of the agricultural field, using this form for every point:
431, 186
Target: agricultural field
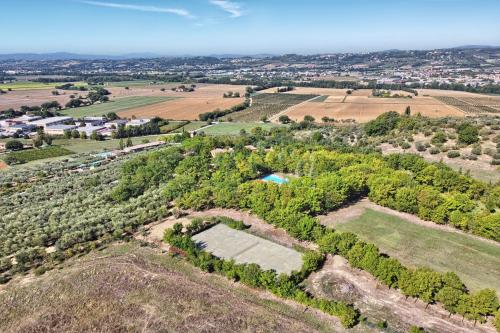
268, 105
473, 105
140, 84
29, 85
34, 97
205, 98
229, 128
117, 105
366, 108
132, 288
447, 93
323, 91
30, 155
418, 243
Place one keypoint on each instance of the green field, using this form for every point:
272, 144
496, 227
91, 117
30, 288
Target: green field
235, 128
476, 262
29, 155
117, 105
25, 85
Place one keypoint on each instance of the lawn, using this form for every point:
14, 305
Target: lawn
117, 105
477, 262
235, 128
25, 85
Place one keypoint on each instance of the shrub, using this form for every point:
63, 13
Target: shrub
405, 145
453, 154
420, 146
434, 151
476, 150
439, 138
467, 133
14, 145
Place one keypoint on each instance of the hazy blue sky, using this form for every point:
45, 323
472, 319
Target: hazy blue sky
173, 27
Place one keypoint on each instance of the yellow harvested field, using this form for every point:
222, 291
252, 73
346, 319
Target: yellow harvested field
335, 99
205, 98
450, 93
363, 109
186, 108
323, 91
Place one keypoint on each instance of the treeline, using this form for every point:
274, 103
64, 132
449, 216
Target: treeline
96, 94
94, 79
150, 128
47, 109
285, 286
213, 115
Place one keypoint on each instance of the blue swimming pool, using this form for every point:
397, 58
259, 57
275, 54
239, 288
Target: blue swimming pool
275, 178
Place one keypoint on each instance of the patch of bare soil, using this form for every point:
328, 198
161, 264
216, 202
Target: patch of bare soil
131, 289
354, 211
153, 233
339, 281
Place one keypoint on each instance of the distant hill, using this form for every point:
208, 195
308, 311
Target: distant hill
72, 56
149, 55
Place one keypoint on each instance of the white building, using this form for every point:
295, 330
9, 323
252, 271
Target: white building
138, 122
52, 121
26, 118
59, 129
89, 129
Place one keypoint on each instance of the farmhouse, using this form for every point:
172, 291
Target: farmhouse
52, 121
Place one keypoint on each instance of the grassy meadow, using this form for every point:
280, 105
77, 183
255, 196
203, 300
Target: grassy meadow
476, 262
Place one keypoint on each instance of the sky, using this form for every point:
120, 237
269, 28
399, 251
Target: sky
205, 27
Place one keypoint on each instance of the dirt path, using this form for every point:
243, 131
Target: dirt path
354, 211
375, 299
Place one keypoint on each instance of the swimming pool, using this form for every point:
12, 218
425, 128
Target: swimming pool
275, 178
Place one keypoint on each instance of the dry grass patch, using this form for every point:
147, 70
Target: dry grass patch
131, 289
